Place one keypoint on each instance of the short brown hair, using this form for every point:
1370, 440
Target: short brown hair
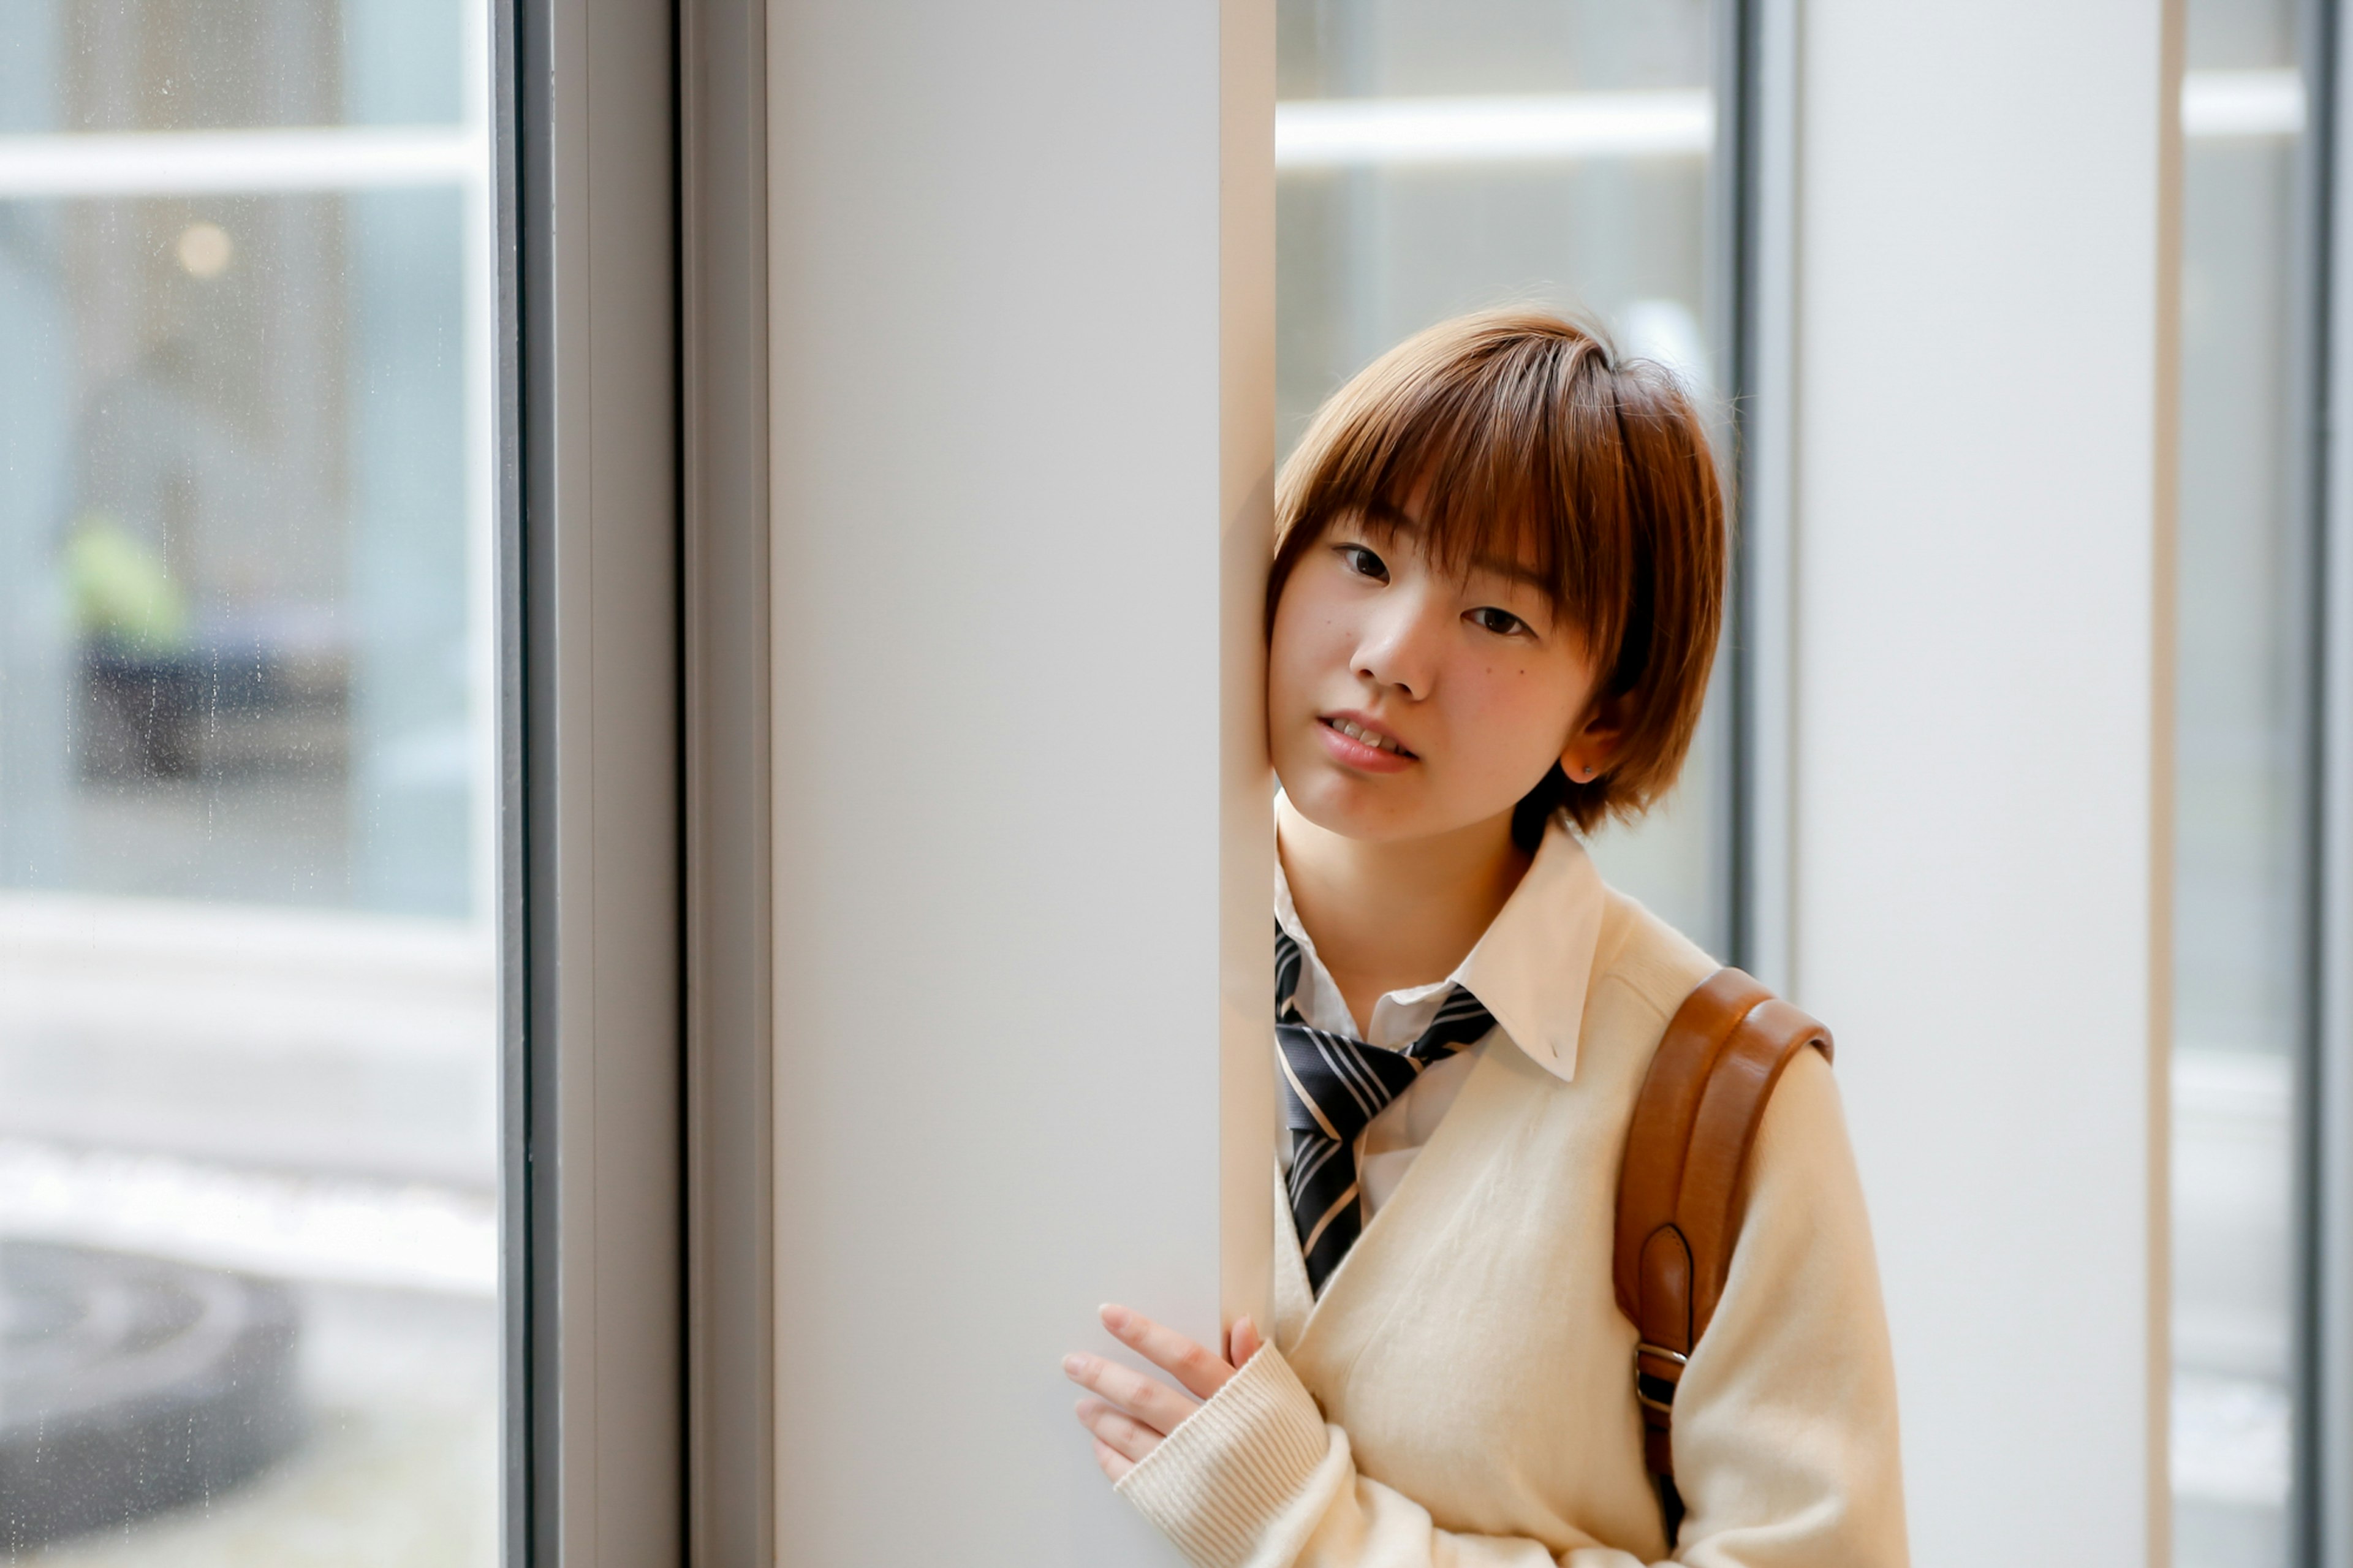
1519, 431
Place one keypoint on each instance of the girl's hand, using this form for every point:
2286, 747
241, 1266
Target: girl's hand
1134, 1412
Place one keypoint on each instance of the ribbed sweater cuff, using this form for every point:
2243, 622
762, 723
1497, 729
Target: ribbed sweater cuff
1231, 1468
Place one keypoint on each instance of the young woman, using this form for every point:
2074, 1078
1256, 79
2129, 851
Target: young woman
1495, 596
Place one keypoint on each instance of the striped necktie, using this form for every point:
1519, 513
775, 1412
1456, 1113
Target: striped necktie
1333, 1085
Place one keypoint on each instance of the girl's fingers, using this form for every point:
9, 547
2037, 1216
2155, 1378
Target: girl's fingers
1200, 1371
1241, 1342
1155, 1403
1133, 1412
1118, 1430
1113, 1464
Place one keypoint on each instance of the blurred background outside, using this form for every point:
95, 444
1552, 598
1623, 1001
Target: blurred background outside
2243, 761
249, 1240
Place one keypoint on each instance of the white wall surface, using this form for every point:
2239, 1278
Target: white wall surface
1980, 519
1000, 491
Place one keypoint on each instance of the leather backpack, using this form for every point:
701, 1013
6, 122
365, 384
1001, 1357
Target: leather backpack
1682, 1190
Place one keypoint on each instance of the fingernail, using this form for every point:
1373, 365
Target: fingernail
1114, 1317
1074, 1365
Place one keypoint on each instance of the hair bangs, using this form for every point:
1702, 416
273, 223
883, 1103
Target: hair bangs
1511, 461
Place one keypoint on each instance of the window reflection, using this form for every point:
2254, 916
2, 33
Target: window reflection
248, 985
1434, 158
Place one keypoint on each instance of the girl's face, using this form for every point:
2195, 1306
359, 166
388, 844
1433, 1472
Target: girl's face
1403, 702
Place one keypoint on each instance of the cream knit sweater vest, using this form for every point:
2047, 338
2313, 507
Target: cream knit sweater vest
1462, 1394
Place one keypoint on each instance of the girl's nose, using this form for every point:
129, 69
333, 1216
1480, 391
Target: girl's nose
1401, 645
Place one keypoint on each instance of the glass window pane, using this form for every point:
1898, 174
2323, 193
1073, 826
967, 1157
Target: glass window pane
1435, 157
249, 1128
2241, 753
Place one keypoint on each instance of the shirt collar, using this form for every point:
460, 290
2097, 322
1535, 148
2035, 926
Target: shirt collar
1531, 966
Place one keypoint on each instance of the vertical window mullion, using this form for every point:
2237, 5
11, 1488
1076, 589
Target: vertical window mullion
2327, 1471
1763, 277
596, 309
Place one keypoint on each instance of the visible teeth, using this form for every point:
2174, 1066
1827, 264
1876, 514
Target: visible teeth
1359, 733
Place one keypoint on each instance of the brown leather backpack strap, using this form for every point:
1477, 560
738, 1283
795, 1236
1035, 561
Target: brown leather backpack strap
1682, 1187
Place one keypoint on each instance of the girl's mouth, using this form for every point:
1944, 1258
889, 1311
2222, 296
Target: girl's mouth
1361, 746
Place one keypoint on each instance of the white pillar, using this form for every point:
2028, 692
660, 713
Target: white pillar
1022, 398
1983, 575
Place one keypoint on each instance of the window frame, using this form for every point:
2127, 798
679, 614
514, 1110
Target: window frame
1758, 146
731, 1439
2323, 1500
592, 966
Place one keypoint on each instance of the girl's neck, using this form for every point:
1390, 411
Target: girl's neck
1392, 915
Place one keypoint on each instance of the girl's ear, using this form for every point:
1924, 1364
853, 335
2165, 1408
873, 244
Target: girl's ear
1593, 744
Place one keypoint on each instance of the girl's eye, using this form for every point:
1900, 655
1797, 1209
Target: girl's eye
1364, 563
1502, 623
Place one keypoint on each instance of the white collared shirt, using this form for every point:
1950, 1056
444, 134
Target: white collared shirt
1529, 968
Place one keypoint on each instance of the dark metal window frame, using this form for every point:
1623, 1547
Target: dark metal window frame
596, 1215
1758, 147
2324, 1476
633, 812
